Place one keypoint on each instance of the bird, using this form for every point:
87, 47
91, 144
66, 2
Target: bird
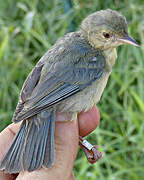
70, 77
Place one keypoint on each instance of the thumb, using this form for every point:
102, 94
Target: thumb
66, 144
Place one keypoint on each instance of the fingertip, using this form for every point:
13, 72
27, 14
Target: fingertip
88, 121
6, 137
13, 128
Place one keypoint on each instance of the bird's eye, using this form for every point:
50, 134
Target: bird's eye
106, 35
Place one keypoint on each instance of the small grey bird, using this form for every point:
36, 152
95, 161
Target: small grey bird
70, 77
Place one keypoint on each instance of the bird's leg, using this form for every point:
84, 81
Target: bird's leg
90, 150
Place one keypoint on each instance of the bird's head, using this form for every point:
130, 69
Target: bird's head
106, 29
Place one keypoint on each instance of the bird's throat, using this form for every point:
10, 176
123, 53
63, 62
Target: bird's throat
111, 56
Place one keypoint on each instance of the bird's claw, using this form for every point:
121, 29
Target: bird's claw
90, 151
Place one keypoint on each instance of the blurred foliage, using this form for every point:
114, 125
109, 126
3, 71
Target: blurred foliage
28, 28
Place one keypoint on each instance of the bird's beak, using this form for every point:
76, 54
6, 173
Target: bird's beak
128, 40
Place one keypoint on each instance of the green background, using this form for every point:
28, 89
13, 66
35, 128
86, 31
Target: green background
28, 28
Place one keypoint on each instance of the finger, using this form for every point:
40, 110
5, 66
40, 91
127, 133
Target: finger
88, 121
6, 137
4, 176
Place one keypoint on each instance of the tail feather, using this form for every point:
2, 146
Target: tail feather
33, 145
49, 153
12, 157
39, 147
29, 146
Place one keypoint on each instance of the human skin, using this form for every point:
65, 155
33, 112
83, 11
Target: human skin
66, 145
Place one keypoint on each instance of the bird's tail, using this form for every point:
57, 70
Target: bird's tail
33, 145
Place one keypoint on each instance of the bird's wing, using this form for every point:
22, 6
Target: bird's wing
43, 89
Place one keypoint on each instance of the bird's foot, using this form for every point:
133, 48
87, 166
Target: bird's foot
90, 150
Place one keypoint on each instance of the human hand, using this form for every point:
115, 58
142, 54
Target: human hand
66, 145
